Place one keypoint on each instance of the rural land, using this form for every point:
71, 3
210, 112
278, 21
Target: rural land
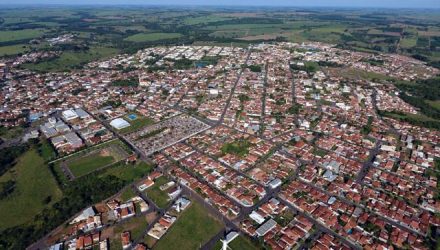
160, 127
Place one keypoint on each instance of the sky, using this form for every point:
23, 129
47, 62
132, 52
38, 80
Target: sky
297, 3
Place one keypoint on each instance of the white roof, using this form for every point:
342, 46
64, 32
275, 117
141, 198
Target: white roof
119, 123
69, 114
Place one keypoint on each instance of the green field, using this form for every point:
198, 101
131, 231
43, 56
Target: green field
16, 35
136, 226
408, 42
35, 184
138, 123
158, 196
239, 147
89, 163
129, 172
127, 194
99, 158
204, 19
13, 49
151, 37
70, 60
435, 104
192, 229
46, 150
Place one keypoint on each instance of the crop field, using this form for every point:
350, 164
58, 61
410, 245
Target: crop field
149, 37
16, 35
13, 49
107, 31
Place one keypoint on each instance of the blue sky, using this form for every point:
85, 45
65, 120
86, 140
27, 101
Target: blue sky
300, 3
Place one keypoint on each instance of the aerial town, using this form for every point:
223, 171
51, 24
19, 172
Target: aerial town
282, 145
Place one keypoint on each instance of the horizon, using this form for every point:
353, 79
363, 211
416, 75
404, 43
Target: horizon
373, 4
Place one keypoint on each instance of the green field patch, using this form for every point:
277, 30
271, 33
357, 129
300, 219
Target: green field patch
159, 197
356, 74
191, 230
435, 104
136, 124
70, 60
205, 19
94, 160
135, 225
128, 172
13, 49
151, 37
238, 147
46, 150
408, 42
35, 190
16, 35
127, 194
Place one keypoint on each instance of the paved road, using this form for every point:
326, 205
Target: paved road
263, 104
368, 163
228, 102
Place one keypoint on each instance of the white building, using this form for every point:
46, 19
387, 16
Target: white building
119, 123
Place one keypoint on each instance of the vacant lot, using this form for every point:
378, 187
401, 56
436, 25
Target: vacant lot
35, 189
149, 37
158, 196
239, 148
194, 228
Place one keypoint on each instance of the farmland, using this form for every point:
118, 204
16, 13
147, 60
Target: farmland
107, 31
149, 37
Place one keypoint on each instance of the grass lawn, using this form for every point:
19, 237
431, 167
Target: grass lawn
127, 194
69, 60
239, 243
191, 230
34, 184
150, 37
89, 163
129, 172
138, 123
15, 35
158, 196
